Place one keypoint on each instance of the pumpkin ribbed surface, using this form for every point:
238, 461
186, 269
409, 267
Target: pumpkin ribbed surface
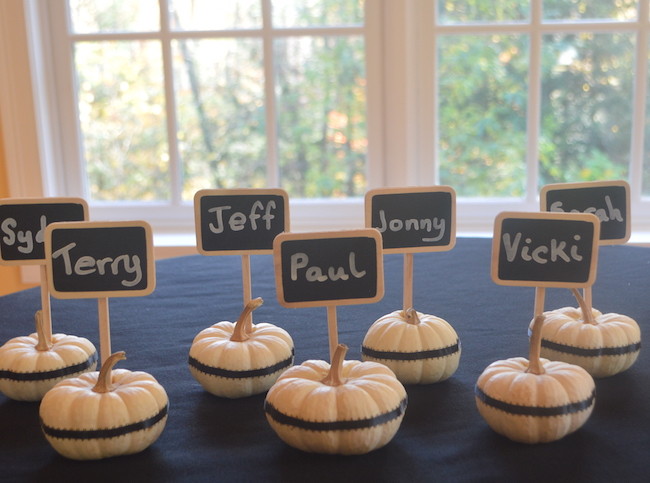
534, 408
424, 352
27, 373
361, 414
234, 369
609, 345
81, 423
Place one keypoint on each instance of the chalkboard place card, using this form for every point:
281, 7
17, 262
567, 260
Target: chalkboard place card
23, 222
545, 249
329, 268
608, 200
100, 259
241, 221
413, 219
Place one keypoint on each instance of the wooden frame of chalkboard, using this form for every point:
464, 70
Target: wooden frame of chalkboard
608, 200
413, 219
100, 259
545, 249
23, 222
329, 268
239, 221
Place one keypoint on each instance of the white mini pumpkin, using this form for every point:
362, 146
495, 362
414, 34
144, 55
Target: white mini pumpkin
602, 344
31, 365
350, 407
103, 414
535, 400
240, 359
419, 348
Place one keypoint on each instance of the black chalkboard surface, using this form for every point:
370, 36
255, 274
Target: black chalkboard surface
100, 259
23, 222
237, 222
545, 249
329, 268
608, 200
414, 219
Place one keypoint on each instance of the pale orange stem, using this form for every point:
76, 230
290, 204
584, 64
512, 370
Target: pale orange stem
105, 378
242, 330
43, 343
411, 316
534, 363
334, 377
587, 314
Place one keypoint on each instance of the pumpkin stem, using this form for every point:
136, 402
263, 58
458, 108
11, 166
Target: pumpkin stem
333, 377
411, 316
242, 330
104, 380
43, 344
534, 364
587, 314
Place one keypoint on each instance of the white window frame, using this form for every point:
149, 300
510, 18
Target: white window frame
401, 118
473, 213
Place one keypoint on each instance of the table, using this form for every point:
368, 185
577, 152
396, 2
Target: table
442, 436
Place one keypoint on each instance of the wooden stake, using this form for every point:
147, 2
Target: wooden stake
586, 295
247, 287
540, 298
408, 282
46, 311
104, 329
332, 329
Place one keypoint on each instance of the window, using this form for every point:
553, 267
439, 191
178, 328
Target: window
536, 92
150, 102
173, 96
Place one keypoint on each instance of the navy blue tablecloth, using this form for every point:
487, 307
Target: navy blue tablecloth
442, 436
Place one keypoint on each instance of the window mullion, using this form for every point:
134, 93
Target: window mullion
635, 177
272, 162
175, 165
534, 103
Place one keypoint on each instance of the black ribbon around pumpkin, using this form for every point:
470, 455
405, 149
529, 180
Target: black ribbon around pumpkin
231, 374
540, 411
345, 425
85, 434
52, 374
411, 356
591, 352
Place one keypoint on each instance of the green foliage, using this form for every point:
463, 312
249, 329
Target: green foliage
321, 116
587, 87
586, 100
482, 110
121, 112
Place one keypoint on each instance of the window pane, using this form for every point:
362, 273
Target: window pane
219, 87
122, 119
590, 9
482, 96
464, 11
587, 87
646, 151
215, 14
91, 16
321, 102
314, 13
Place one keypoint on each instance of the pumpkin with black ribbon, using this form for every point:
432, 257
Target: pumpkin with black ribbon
348, 407
419, 348
102, 414
602, 344
534, 400
240, 359
31, 365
